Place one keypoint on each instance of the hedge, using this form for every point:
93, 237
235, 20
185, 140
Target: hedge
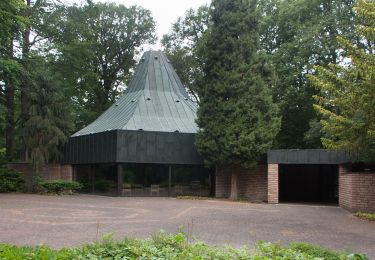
60, 186
164, 246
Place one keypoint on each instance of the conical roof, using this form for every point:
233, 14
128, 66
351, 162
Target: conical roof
155, 100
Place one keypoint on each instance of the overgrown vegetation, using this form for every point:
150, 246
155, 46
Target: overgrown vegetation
10, 180
367, 216
164, 246
60, 186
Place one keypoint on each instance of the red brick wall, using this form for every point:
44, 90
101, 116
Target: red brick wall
252, 183
356, 190
48, 172
273, 183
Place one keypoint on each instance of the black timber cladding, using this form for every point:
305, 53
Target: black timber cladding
157, 147
95, 148
132, 147
306, 156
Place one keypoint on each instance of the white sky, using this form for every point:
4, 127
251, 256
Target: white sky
165, 12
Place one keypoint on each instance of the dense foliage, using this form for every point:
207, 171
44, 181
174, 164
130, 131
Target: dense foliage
346, 98
180, 46
97, 45
295, 34
10, 180
236, 116
164, 246
60, 66
49, 119
60, 186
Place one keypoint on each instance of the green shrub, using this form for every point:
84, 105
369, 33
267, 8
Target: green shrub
164, 246
60, 186
11, 180
367, 216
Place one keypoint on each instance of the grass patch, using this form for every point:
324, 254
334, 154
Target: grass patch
367, 216
166, 246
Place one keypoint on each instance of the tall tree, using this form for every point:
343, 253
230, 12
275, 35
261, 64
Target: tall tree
346, 98
49, 117
237, 117
298, 34
31, 35
11, 23
96, 45
180, 45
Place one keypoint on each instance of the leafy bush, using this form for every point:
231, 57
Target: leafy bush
11, 180
164, 246
60, 186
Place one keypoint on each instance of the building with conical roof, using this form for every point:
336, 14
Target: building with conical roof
152, 122
144, 145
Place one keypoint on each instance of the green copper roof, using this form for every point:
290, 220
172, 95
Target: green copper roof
155, 100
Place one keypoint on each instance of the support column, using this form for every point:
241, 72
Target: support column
273, 183
74, 172
119, 179
92, 178
169, 180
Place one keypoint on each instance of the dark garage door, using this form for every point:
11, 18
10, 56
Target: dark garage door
308, 183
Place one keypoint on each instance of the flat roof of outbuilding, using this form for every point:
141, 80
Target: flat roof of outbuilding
306, 156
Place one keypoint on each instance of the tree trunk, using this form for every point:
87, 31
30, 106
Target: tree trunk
10, 122
233, 186
24, 86
10, 117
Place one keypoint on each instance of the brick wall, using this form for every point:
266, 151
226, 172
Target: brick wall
356, 190
252, 183
273, 183
48, 172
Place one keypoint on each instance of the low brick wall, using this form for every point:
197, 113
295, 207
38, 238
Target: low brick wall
356, 190
48, 172
252, 183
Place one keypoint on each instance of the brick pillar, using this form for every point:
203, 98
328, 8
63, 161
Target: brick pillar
273, 183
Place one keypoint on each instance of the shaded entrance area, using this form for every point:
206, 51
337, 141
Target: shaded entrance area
144, 180
315, 183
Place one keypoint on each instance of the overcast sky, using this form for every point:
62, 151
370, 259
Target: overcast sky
165, 12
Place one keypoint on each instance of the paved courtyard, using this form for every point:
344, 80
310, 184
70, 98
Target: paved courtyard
61, 221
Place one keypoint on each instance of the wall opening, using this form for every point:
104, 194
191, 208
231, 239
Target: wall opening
311, 183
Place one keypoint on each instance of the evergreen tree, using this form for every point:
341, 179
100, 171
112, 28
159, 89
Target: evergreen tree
49, 118
237, 117
347, 92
